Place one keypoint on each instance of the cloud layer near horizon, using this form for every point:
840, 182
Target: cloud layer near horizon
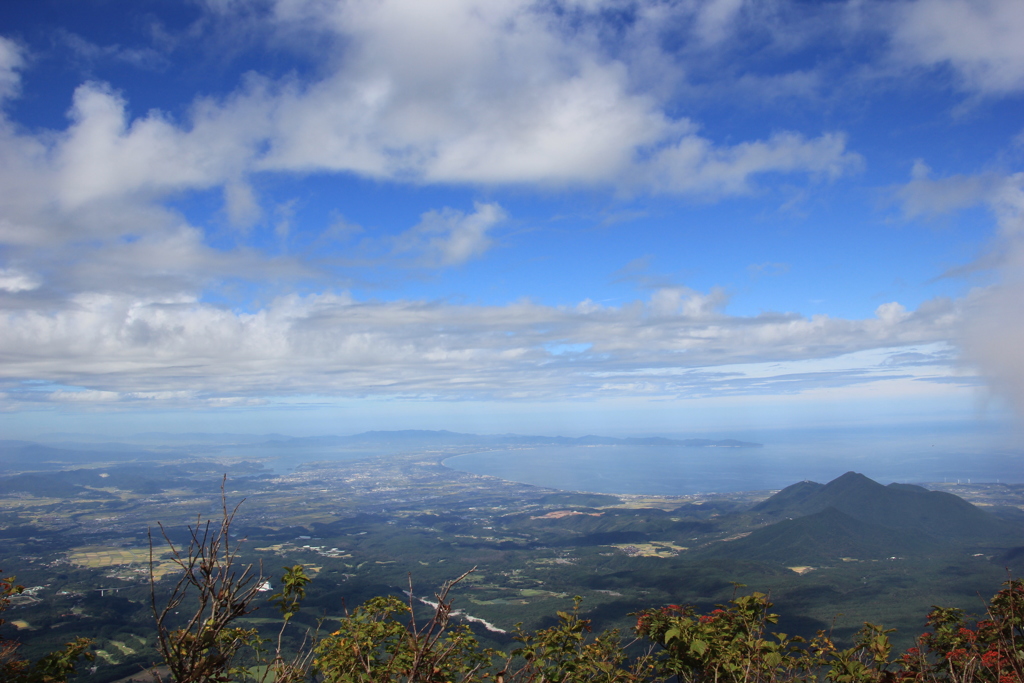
668, 346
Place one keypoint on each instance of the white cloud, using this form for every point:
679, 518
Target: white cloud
336, 346
449, 237
991, 331
979, 39
145, 58
104, 155
506, 92
12, 280
240, 202
459, 92
716, 18
11, 61
83, 209
695, 165
675, 301
234, 402
924, 196
767, 269
1002, 194
84, 396
892, 313
1007, 201
992, 335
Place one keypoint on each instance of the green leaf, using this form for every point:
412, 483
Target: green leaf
698, 647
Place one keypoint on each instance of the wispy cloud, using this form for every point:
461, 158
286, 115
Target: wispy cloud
927, 196
13, 280
89, 53
767, 269
978, 39
11, 62
449, 237
991, 332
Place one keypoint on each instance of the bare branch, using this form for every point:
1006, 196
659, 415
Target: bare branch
201, 650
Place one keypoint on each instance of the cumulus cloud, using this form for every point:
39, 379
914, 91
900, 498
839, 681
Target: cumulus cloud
83, 209
104, 155
502, 92
507, 92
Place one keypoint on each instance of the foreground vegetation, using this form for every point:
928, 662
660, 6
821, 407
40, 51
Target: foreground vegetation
382, 640
386, 640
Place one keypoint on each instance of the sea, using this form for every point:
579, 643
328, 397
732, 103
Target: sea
919, 456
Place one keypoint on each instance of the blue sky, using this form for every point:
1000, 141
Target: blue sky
314, 216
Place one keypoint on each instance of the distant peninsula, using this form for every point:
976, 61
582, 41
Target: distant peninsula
447, 438
61, 450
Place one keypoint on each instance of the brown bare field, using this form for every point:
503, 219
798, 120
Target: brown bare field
652, 549
101, 556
